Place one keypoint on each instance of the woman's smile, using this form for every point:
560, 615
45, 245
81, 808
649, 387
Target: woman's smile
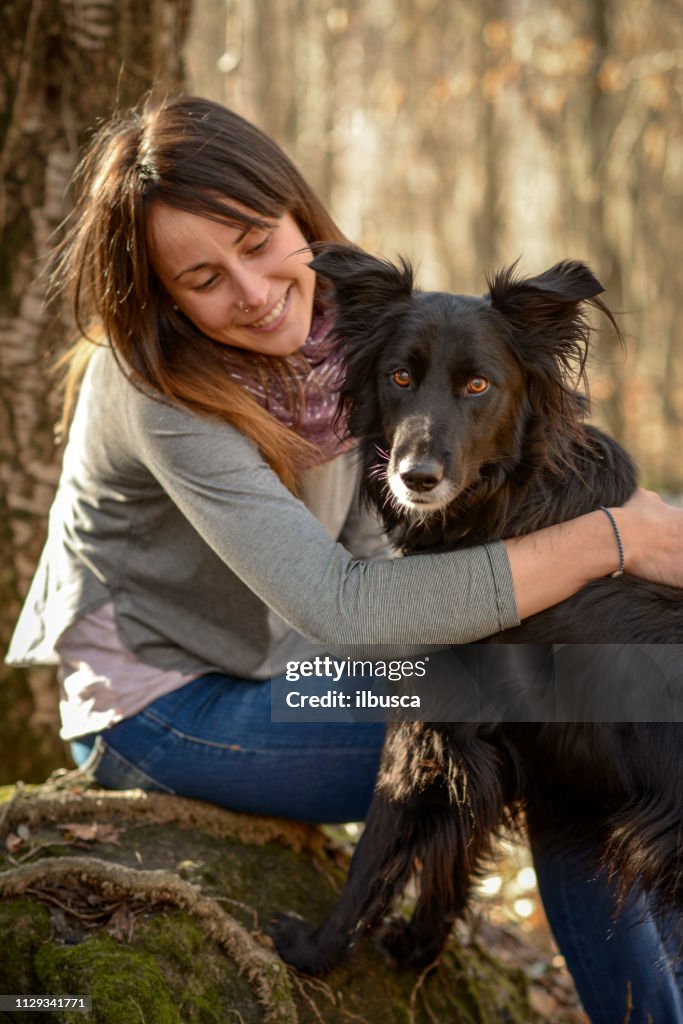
272, 320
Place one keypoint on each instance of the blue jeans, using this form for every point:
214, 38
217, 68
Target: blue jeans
214, 740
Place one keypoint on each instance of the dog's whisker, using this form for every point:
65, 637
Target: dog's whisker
389, 501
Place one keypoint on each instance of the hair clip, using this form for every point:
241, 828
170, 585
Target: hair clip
145, 170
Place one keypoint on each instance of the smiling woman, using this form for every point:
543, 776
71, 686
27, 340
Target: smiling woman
190, 186
207, 530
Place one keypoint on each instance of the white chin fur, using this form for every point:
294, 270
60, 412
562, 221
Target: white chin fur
417, 502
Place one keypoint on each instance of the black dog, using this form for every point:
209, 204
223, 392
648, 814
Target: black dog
471, 428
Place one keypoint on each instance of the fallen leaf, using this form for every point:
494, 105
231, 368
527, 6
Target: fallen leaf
121, 923
90, 833
107, 833
13, 843
83, 833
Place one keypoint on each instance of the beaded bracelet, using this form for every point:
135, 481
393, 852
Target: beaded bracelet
620, 570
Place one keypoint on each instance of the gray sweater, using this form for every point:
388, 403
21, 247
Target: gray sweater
212, 564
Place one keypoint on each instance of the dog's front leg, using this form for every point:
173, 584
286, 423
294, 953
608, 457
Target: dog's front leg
462, 813
447, 872
379, 868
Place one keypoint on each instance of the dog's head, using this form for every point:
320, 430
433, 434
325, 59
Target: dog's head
450, 394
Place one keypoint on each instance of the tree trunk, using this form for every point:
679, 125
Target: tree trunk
64, 64
156, 907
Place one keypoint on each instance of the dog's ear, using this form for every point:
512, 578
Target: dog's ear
547, 318
549, 298
360, 281
369, 295
550, 333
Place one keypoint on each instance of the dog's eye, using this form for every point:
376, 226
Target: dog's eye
402, 377
477, 385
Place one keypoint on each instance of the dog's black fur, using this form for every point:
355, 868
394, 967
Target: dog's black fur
471, 428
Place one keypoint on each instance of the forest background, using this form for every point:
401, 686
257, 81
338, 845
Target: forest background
462, 134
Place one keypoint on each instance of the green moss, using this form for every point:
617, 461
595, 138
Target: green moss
27, 925
204, 981
168, 974
126, 985
171, 972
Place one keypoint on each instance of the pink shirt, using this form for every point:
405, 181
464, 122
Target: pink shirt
101, 681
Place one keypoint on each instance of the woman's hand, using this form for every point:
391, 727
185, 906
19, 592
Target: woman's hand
652, 537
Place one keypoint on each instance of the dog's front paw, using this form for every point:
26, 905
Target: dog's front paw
294, 940
394, 938
406, 948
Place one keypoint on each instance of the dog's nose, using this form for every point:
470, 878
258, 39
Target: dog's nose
422, 476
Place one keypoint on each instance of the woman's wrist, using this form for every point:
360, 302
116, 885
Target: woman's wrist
619, 571
552, 564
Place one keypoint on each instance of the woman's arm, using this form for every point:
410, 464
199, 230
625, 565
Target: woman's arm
273, 544
277, 549
552, 564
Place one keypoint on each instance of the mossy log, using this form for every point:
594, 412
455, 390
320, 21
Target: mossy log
155, 906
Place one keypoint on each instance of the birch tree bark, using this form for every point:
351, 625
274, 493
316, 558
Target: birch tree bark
64, 64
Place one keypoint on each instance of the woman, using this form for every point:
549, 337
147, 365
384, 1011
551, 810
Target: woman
181, 569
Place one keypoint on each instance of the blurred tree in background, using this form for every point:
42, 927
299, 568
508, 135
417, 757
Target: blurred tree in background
64, 66
463, 133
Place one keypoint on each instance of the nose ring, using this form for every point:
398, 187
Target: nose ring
245, 309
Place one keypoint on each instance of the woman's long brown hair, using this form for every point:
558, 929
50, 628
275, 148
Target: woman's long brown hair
197, 156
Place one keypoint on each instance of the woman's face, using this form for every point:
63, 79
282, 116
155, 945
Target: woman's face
243, 286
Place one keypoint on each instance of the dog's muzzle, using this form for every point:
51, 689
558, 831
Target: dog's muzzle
421, 484
421, 477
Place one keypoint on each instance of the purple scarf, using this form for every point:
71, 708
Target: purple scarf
316, 376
